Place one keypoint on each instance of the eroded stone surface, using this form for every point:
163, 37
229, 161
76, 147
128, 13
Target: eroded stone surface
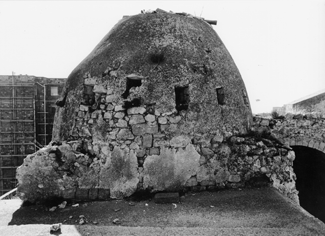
63, 171
120, 174
171, 169
40, 177
180, 141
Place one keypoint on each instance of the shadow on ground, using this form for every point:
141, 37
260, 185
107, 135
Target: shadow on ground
232, 208
261, 208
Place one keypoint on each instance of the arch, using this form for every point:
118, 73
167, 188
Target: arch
310, 143
309, 166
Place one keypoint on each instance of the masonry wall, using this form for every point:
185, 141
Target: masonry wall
187, 71
87, 170
295, 129
170, 114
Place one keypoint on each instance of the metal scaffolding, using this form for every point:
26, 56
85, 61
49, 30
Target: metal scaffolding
26, 121
17, 134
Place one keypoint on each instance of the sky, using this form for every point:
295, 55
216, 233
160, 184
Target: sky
278, 46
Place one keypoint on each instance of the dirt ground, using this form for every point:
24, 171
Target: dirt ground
259, 209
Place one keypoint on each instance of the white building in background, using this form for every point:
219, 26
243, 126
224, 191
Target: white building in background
312, 103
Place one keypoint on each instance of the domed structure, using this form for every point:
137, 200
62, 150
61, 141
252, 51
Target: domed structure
167, 64
151, 108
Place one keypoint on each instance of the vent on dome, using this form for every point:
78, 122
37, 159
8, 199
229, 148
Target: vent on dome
157, 58
245, 97
220, 95
182, 97
88, 96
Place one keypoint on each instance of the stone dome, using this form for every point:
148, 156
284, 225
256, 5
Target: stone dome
169, 64
156, 97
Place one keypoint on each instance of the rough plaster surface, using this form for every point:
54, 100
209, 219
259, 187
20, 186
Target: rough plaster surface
39, 177
120, 174
171, 169
171, 51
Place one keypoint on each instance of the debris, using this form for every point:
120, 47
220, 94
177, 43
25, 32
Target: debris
70, 217
118, 209
75, 205
182, 13
95, 222
82, 221
131, 204
55, 227
53, 208
62, 205
116, 221
158, 10
175, 205
146, 204
211, 206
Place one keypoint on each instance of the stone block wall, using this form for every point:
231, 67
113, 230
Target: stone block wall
139, 154
295, 129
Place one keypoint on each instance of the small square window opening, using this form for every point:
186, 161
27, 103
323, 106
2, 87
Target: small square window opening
54, 91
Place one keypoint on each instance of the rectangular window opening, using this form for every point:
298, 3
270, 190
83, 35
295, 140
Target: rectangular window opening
182, 97
88, 96
245, 97
54, 91
220, 95
129, 84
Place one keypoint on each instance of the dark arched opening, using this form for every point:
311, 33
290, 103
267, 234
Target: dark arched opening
309, 167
